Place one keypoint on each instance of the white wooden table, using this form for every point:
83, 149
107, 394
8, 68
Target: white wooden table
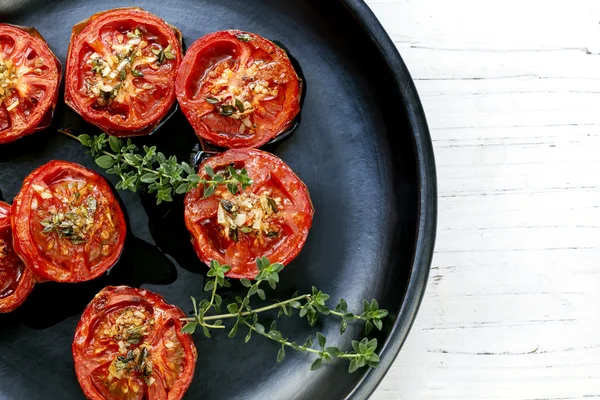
511, 89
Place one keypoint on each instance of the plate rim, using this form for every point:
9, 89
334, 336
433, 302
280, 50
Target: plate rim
427, 202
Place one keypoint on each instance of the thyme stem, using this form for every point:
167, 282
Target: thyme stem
163, 175
246, 313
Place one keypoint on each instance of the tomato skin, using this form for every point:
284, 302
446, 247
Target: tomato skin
39, 116
267, 172
9, 260
139, 122
28, 246
112, 298
271, 117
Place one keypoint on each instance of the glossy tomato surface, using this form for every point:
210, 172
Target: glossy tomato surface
120, 70
238, 89
29, 81
270, 218
128, 345
16, 281
67, 224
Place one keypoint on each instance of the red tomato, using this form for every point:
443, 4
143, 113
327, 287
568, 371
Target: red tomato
120, 70
270, 218
238, 89
67, 224
16, 281
129, 345
29, 81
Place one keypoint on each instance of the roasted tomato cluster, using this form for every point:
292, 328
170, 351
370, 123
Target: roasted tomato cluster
129, 345
67, 224
238, 89
29, 81
120, 70
270, 218
125, 74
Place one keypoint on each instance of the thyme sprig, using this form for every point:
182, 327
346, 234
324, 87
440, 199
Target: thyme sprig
162, 175
310, 306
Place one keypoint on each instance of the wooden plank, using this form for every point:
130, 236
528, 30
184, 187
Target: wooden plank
511, 90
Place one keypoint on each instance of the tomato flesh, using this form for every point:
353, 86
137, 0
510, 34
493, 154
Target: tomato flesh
16, 281
271, 218
29, 82
120, 70
128, 345
238, 89
68, 225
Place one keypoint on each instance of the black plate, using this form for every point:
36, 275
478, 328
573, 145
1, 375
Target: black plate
362, 148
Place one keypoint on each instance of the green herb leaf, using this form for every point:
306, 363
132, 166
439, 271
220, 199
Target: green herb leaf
105, 162
189, 328
234, 330
321, 338
239, 105
259, 328
281, 355
227, 110
232, 308
343, 327
245, 282
353, 366
318, 363
334, 351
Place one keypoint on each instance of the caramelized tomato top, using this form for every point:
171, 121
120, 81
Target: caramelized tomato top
120, 70
16, 281
68, 225
270, 218
29, 81
238, 89
128, 345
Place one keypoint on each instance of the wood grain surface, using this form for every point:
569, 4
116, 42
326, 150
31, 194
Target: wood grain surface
512, 94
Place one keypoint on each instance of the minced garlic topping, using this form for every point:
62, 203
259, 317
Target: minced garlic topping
130, 330
248, 213
112, 73
237, 94
74, 223
10, 75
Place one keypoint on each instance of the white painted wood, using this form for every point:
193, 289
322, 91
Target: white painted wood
512, 94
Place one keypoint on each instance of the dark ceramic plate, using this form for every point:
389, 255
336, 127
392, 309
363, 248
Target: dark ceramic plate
362, 148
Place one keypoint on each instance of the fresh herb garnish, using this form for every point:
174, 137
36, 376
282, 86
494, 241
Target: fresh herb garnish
239, 105
136, 73
244, 37
72, 224
161, 175
309, 306
162, 54
227, 110
212, 100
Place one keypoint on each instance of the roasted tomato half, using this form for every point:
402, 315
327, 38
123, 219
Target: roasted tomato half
129, 345
120, 70
29, 81
67, 224
238, 89
16, 281
269, 218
